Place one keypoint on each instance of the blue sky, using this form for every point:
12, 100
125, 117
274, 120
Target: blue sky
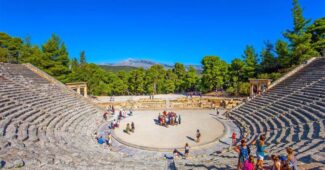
161, 30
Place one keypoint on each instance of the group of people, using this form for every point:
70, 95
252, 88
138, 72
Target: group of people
109, 110
170, 118
129, 128
107, 139
246, 159
115, 124
177, 153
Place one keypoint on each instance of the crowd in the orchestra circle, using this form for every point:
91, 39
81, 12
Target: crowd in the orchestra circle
246, 161
107, 136
169, 118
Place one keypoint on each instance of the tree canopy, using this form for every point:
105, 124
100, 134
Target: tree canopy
305, 40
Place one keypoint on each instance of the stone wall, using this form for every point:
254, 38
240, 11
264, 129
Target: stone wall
181, 103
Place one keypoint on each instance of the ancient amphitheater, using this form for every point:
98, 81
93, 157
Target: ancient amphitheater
44, 125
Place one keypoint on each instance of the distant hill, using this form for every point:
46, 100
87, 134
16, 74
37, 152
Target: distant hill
130, 64
117, 68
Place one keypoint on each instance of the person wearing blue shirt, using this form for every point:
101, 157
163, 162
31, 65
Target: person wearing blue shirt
100, 140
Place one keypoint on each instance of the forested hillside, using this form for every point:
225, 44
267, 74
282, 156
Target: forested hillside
305, 40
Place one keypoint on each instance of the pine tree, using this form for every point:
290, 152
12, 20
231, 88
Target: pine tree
269, 63
82, 57
283, 53
251, 62
300, 40
317, 30
55, 60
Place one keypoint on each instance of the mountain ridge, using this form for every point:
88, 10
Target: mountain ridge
144, 63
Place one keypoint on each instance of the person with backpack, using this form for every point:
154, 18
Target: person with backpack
244, 151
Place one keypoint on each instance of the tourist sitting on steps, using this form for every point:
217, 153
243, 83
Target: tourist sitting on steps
105, 116
117, 124
100, 140
109, 140
113, 124
175, 153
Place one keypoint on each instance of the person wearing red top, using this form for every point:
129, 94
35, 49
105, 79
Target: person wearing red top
233, 137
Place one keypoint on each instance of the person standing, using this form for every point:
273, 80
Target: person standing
187, 150
198, 136
233, 137
249, 164
292, 161
132, 127
260, 151
243, 150
276, 162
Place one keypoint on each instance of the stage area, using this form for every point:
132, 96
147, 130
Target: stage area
149, 134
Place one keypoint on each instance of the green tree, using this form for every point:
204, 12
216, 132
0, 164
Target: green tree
137, 81
269, 62
283, 53
10, 48
55, 58
82, 57
214, 73
300, 40
191, 79
170, 81
251, 62
169, 86
317, 30
236, 69
180, 71
154, 78
244, 88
